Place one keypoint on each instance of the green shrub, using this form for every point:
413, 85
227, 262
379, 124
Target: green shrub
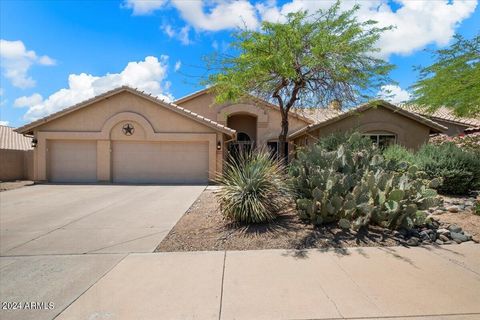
398, 154
358, 187
254, 188
459, 169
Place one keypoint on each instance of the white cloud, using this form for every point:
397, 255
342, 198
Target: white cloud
168, 30
16, 60
182, 35
142, 7
204, 15
394, 94
4, 123
148, 75
418, 23
178, 65
219, 15
28, 101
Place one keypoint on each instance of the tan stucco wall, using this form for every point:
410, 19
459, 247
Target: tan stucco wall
103, 121
15, 164
244, 123
268, 119
453, 129
409, 133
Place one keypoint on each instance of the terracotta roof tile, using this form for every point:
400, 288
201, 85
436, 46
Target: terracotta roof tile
442, 113
11, 140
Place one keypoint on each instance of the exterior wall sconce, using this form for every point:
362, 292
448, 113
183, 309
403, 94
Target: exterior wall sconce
219, 146
34, 142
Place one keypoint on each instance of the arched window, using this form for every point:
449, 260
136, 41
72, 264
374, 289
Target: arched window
242, 136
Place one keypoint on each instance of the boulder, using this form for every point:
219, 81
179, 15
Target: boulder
456, 236
453, 209
444, 238
455, 228
413, 241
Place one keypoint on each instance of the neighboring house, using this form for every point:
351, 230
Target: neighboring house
127, 136
456, 125
16, 155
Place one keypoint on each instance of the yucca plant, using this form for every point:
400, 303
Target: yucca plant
254, 187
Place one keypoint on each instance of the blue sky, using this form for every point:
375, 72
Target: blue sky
57, 53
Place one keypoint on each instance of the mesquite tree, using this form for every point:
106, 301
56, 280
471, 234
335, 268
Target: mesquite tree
453, 79
307, 60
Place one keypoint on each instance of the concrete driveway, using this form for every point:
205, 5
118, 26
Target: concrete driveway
56, 241
78, 219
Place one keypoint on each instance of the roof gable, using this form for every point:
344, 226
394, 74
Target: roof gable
297, 113
173, 107
332, 117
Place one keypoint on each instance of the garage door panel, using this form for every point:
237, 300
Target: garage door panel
72, 161
160, 162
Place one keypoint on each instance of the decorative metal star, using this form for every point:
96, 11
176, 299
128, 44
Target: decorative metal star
128, 129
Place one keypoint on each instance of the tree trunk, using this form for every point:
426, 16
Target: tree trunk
282, 138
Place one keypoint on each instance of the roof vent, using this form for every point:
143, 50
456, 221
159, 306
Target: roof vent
336, 105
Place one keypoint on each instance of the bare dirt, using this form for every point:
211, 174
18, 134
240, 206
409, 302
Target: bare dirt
203, 228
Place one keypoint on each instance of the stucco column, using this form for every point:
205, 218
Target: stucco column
103, 161
41, 158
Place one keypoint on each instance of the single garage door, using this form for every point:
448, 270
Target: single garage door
72, 161
160, 162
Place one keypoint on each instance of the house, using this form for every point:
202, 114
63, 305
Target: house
16, 155
456, 125
128, 136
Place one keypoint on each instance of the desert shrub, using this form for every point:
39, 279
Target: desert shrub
398, 153
459, 169
254, 187
358, 187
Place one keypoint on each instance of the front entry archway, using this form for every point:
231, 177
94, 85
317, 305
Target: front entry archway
246, 127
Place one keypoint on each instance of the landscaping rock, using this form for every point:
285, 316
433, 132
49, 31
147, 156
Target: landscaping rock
443, 231
454, 228
469, 242
457, 241
439, 242
453, 209
456, 236
468, 235
437, 212
444, 238
413, 241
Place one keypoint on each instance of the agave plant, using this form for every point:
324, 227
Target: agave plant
254, 187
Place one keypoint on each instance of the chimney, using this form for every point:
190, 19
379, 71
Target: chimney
336, 105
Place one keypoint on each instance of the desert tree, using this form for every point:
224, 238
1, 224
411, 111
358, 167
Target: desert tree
307, 60
453, 79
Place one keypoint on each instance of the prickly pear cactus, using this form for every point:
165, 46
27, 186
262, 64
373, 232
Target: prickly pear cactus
360, 187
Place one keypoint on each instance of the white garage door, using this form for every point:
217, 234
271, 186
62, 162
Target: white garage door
160, 162
72, 161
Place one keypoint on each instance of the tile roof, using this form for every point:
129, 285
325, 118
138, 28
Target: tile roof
442, 113
171, 106
11, 140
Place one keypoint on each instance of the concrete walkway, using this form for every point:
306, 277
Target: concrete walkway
358, 283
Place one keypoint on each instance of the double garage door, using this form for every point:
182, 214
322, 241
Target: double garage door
131, 162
